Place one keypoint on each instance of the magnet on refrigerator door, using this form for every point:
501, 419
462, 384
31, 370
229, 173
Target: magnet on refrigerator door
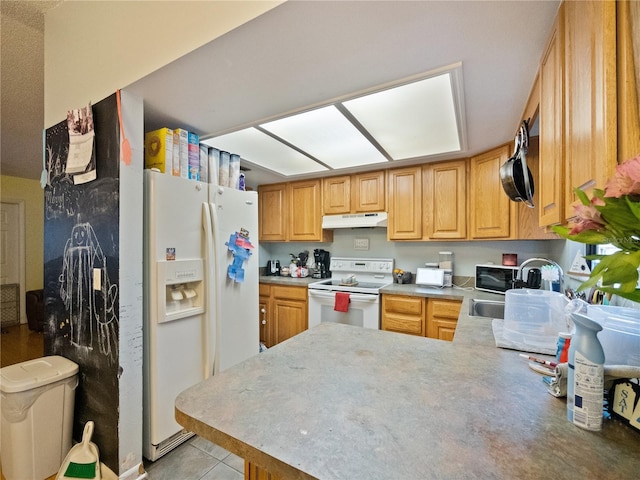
240, 246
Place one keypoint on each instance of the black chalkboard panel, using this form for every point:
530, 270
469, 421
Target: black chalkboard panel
81, 274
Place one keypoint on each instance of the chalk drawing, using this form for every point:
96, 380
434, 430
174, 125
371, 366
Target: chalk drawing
88, 295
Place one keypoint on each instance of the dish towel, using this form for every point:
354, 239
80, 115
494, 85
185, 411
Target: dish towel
342, 302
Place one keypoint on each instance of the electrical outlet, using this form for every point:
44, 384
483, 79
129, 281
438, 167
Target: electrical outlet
361, 244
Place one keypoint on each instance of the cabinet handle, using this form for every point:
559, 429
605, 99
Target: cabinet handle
264, 322
263, 310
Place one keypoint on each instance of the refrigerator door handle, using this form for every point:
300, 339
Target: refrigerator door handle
216, 289
208, 339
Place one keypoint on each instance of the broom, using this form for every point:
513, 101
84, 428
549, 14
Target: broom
82, 458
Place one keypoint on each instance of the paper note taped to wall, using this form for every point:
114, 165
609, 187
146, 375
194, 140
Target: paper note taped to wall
80, 162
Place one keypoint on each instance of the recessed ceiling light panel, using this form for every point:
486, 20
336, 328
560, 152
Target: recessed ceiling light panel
328, 136
413, 120
262, 150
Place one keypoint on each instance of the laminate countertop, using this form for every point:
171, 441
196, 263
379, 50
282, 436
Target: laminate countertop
348, 403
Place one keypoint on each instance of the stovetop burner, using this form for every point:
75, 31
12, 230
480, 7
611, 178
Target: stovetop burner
370, 274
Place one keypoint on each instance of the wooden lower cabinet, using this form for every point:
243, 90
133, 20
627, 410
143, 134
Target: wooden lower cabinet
265, 318
425, 317
404, 314
253, 472
283, 312
442, 318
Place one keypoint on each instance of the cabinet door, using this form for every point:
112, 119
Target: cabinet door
405, 204
290, 311
628, 68
403, 314
272, 212
445, 200
442, 318
551, 159
491, 210
264, 314
290, 317
336, 195
254, 472
305, 207
590, 96
368, 192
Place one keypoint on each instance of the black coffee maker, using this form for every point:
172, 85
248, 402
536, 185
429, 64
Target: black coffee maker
322, 263
273, 268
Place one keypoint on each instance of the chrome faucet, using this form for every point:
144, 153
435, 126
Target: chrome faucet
520, 283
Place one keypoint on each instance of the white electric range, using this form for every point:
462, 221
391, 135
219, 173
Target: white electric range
359, 279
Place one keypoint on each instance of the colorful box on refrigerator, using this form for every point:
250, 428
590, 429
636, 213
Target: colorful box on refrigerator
194, 156
183, 152
234, 170
204, 163
214, 165
223, 169
158, 150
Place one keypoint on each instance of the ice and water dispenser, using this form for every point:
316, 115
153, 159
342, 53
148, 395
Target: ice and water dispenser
183, 292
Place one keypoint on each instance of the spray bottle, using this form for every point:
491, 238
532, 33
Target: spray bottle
585, 382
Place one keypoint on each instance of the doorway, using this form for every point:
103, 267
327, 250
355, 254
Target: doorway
12, 259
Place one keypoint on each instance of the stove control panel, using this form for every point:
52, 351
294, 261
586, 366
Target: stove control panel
362, 265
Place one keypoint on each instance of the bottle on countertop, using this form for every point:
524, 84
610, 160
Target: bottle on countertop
585, 381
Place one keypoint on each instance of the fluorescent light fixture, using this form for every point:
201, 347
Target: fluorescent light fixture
327, 135
413, 120
418, 117
260, 149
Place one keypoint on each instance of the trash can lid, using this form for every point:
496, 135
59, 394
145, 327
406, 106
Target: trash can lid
36, 373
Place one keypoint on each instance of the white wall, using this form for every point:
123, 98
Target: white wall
93, 48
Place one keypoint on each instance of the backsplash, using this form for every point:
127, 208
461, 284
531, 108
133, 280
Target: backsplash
411, 255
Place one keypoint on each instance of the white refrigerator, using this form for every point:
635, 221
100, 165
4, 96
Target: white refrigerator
200, 293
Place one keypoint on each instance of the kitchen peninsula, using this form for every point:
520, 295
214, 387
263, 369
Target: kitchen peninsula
341, 402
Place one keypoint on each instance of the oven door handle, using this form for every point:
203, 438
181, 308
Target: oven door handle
353, 296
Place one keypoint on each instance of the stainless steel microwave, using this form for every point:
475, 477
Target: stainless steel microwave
495, 278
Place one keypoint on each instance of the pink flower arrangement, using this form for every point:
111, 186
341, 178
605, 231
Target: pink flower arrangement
612, 216
626, 180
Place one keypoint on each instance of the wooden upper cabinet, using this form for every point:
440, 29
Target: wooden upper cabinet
550, 188
590, 95
405, 204
358, 193
336, 195
273, 209
305, 212
445, 200
628, 68
491, 214
368, 192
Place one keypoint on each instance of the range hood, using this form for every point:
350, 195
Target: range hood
355, 220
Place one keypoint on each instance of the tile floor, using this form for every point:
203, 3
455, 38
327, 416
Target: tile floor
196, 459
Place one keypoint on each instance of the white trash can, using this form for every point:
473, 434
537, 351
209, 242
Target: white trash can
37, 416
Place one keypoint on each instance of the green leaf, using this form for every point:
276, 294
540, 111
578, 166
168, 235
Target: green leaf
634, 206
634, 296
586, 236
617, 213
582, 196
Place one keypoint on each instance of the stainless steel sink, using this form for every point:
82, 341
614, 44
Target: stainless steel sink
486, 308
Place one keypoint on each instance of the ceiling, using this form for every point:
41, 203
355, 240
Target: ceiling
22, 85
306, 54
